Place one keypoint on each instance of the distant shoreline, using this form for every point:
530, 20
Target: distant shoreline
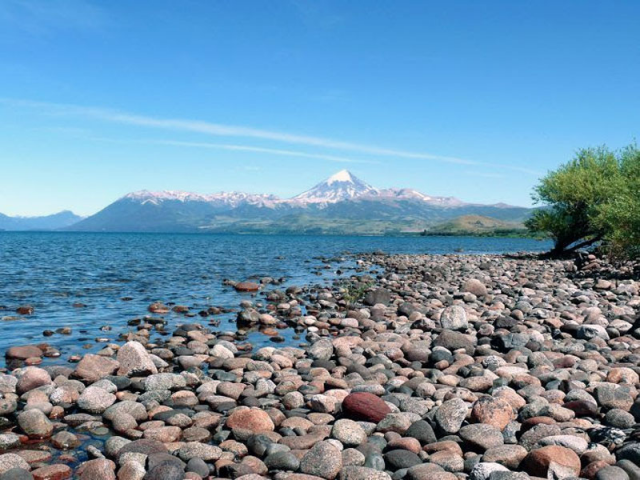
506, 234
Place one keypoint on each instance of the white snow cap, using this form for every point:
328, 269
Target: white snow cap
341, 176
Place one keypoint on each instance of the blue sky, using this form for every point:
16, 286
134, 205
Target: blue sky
471, 99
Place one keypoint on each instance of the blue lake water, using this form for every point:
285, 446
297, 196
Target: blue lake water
53, 271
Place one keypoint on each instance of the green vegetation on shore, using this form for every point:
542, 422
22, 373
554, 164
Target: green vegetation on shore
594, 198
478, 226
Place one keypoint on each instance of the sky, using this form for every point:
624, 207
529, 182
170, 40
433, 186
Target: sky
470, 99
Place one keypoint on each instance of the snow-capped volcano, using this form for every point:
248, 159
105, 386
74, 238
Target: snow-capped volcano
338, 187
339, 204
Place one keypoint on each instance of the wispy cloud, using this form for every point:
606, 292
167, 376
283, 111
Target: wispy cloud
222, 130
273, 151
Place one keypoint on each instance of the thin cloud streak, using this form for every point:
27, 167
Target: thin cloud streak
215, 129
225, 130
237, 148
274, 151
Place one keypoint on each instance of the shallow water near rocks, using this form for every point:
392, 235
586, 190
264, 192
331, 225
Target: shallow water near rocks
54, 271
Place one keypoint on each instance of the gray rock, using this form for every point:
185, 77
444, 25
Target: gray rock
577, 444
619, 418
8, 383
35, 424
482, 471
454, 318
450, 415
9, 440
350, 433
612, 473
165, 471
199, 466
399, 459
421, 431
321, 350
164, 381
136, 410
482, 436
16, 474
379, 295
631, 468
134, 359
9, 461
199, 450
322, 460
455, 340
282, 461
95, 400
363, 473
114, 444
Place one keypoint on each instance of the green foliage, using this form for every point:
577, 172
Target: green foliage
593, 197
355, 292
619, 217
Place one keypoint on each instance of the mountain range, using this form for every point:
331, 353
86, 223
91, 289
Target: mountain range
48, 222
342, 204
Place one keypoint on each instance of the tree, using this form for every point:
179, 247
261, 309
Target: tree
619, 216
594, 197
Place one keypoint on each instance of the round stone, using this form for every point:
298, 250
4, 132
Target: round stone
322, 460
349, 433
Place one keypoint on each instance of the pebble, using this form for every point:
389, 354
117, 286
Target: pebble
480, 367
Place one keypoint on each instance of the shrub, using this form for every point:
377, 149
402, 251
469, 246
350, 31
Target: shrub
595, 197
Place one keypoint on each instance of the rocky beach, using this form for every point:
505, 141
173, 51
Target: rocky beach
443, 367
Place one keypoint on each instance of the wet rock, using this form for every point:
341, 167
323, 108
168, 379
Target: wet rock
158, 308
24, 352
65, 440
35, 424
25, 310
31, 378
52, 472
95, 367
247, 287
98, 469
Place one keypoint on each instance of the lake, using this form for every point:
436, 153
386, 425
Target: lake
54, 271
